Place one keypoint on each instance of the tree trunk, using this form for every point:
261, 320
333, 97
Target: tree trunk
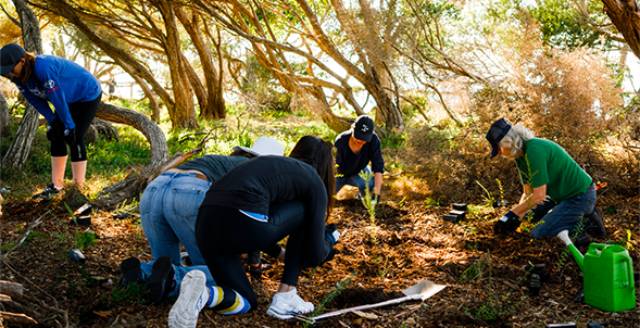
19, 150
625, 15
123, 58
4, 115
214, 108
135, 182
140, 122
183, 114
314, 99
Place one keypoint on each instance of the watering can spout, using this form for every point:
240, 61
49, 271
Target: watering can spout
564, 236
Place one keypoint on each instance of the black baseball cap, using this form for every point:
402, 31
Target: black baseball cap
497, 131
363, 128
10, 55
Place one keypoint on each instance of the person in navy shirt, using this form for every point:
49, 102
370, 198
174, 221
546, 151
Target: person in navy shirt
355, 148
75, 95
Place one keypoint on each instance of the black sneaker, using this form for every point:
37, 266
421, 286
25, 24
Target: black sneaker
161, 281
49, 192
130, 272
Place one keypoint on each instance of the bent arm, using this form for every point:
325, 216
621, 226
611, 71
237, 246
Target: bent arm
530, 200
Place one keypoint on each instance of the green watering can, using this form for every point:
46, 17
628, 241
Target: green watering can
607, 272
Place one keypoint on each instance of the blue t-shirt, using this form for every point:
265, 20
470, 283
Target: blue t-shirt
61, 82
350, 164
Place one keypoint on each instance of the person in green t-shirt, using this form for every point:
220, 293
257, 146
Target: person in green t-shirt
555, 187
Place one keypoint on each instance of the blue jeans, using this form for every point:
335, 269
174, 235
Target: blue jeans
178, 274
566, 215
356, 181
169, 210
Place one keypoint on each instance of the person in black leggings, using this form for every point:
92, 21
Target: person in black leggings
75, 95
237, 217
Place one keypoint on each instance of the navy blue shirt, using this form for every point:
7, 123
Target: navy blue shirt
350, 164
213, 166
61, 82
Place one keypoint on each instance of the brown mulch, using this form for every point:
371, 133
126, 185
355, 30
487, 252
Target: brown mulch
486, 275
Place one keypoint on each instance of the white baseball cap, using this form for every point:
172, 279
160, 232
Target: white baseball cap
264, 146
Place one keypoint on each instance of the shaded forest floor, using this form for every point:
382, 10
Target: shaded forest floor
486, 275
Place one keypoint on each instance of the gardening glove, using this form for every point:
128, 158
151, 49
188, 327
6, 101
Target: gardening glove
70, 136
507, 224
375, 200
331, 234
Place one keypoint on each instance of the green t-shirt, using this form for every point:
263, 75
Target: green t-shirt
545, 162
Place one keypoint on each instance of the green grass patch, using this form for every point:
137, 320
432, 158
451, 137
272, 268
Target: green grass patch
85, 239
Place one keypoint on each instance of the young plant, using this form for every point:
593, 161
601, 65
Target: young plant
488, 197
368, 201
340, 287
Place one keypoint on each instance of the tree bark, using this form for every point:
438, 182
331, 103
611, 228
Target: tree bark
215, 104
135, 182
182, 115
123, 58
19, 150
4, 115
625, 15
151, 131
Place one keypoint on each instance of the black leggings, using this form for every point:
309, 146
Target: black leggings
82, 114
223, 233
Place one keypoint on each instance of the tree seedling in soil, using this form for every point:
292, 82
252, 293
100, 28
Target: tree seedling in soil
369, 204
85, 239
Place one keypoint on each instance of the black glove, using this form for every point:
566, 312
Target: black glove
70, 136
331, 234
507, 224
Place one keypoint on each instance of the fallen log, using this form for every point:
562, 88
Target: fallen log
17, 318
10, 288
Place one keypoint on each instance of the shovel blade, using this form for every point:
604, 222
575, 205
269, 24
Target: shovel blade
423, 289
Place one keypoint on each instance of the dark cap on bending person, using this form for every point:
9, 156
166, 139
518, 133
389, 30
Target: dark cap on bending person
10, 55
363, 128
497, 131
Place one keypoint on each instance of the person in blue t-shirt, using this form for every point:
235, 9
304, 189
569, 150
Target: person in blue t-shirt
355, 148
75, 95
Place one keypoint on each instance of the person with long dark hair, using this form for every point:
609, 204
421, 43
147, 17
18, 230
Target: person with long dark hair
75, 95
237, 216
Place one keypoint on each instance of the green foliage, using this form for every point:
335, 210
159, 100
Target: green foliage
7, 246
110, 158
476, 270
340, 287
85, 239
367, 199
393, 140
562, 25
133, 292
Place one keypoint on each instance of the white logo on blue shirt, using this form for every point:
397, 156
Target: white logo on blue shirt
50, 84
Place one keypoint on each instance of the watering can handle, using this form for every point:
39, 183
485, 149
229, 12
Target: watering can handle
630, 274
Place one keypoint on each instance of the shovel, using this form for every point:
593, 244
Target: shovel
420, 291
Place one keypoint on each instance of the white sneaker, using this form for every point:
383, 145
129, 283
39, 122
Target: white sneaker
193, 297
285, 305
